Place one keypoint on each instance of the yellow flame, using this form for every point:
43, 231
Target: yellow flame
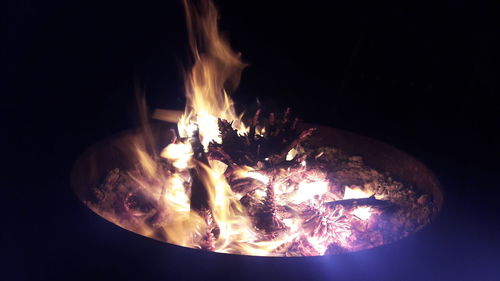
363, 212
217, 69
355, 192
179, 153
234, 224
147, 163
249, 172
216, 72
309, 190
182, 225
291, 154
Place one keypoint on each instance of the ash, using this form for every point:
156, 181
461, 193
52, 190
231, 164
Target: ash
310, 200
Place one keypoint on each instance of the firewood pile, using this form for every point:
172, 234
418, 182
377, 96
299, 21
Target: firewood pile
320, 198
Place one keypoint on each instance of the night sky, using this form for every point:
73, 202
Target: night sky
419, 75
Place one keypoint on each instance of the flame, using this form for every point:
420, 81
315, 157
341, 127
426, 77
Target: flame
291, 154
308, 190
249, 172
179, 153
147, 163
182, 224
355, 192
363, 213
217, 70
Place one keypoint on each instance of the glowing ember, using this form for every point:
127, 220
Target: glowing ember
351, 193
363, 213
255, 189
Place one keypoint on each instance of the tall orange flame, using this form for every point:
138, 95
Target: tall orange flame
216, 71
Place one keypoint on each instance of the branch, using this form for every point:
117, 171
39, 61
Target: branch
370, 201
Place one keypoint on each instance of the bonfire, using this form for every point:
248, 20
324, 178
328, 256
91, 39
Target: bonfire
254, 184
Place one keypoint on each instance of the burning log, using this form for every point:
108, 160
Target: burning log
370, 201
199, 193
277, 199
269, 197
278, 195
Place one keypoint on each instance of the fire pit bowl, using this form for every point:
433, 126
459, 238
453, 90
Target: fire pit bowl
117, 152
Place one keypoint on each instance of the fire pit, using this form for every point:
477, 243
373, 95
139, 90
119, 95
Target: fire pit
270, 186
115, 153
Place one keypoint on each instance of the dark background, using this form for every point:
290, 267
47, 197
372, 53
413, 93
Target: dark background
420, 75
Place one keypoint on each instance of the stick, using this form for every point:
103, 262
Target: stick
370, 201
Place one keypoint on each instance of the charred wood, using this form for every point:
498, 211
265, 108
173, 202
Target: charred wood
370, 201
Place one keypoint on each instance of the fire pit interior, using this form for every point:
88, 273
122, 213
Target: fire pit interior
266, 185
